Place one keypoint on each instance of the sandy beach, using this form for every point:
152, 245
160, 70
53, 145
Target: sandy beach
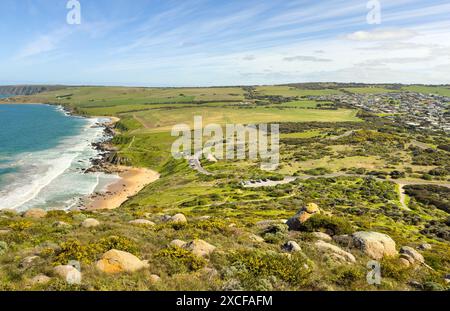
131, 182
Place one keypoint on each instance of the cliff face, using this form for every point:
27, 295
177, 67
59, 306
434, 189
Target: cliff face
27, 89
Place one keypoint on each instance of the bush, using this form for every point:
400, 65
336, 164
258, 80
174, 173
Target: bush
250, 266
180, 260
331, 225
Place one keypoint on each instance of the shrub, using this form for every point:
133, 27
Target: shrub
20, 225
180, 260
331, 225
251, 265
72, 250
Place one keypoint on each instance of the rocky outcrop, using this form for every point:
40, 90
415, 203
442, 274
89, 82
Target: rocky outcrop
27, 89
303, 215
115, 261
374, 244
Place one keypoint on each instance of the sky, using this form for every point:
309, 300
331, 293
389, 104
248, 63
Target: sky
225, 42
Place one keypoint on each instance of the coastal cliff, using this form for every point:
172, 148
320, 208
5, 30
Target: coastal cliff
27, 89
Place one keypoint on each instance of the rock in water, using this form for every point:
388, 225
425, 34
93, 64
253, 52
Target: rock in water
303, 215
35, 213
115, 261
374, 244
200, 248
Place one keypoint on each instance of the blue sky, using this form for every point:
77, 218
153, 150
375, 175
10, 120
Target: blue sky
232, 42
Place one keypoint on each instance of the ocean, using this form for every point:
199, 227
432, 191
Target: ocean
43, 155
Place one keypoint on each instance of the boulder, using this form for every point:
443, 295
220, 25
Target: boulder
411, 255
303, 215
425, 247
404, 262
335, 250
4, 231
90, 223
40, 279
153, 279
200, 248
142, 222
177, 243
35, 213
3, 247
292, 247
322, 236
374, 244
68, 273
115, 261
28, 261
178, 218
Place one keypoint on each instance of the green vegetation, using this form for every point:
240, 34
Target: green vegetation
354, 166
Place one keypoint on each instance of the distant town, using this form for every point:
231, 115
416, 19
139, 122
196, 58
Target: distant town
411, 109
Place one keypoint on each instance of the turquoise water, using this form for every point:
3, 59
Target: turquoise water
43, 155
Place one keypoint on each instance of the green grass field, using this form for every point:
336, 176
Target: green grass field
369, 90
439, 90
288, 91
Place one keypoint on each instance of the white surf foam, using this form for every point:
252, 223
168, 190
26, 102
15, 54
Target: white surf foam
54, 178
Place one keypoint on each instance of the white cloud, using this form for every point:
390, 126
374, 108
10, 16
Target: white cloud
382, 35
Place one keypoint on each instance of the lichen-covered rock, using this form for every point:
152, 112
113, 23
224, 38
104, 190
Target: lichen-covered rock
411, 255
68, 273
335, 250
200, 248
142, 222
374, 244
35, 213
294, 223
292, 247
90, 223
115, 261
